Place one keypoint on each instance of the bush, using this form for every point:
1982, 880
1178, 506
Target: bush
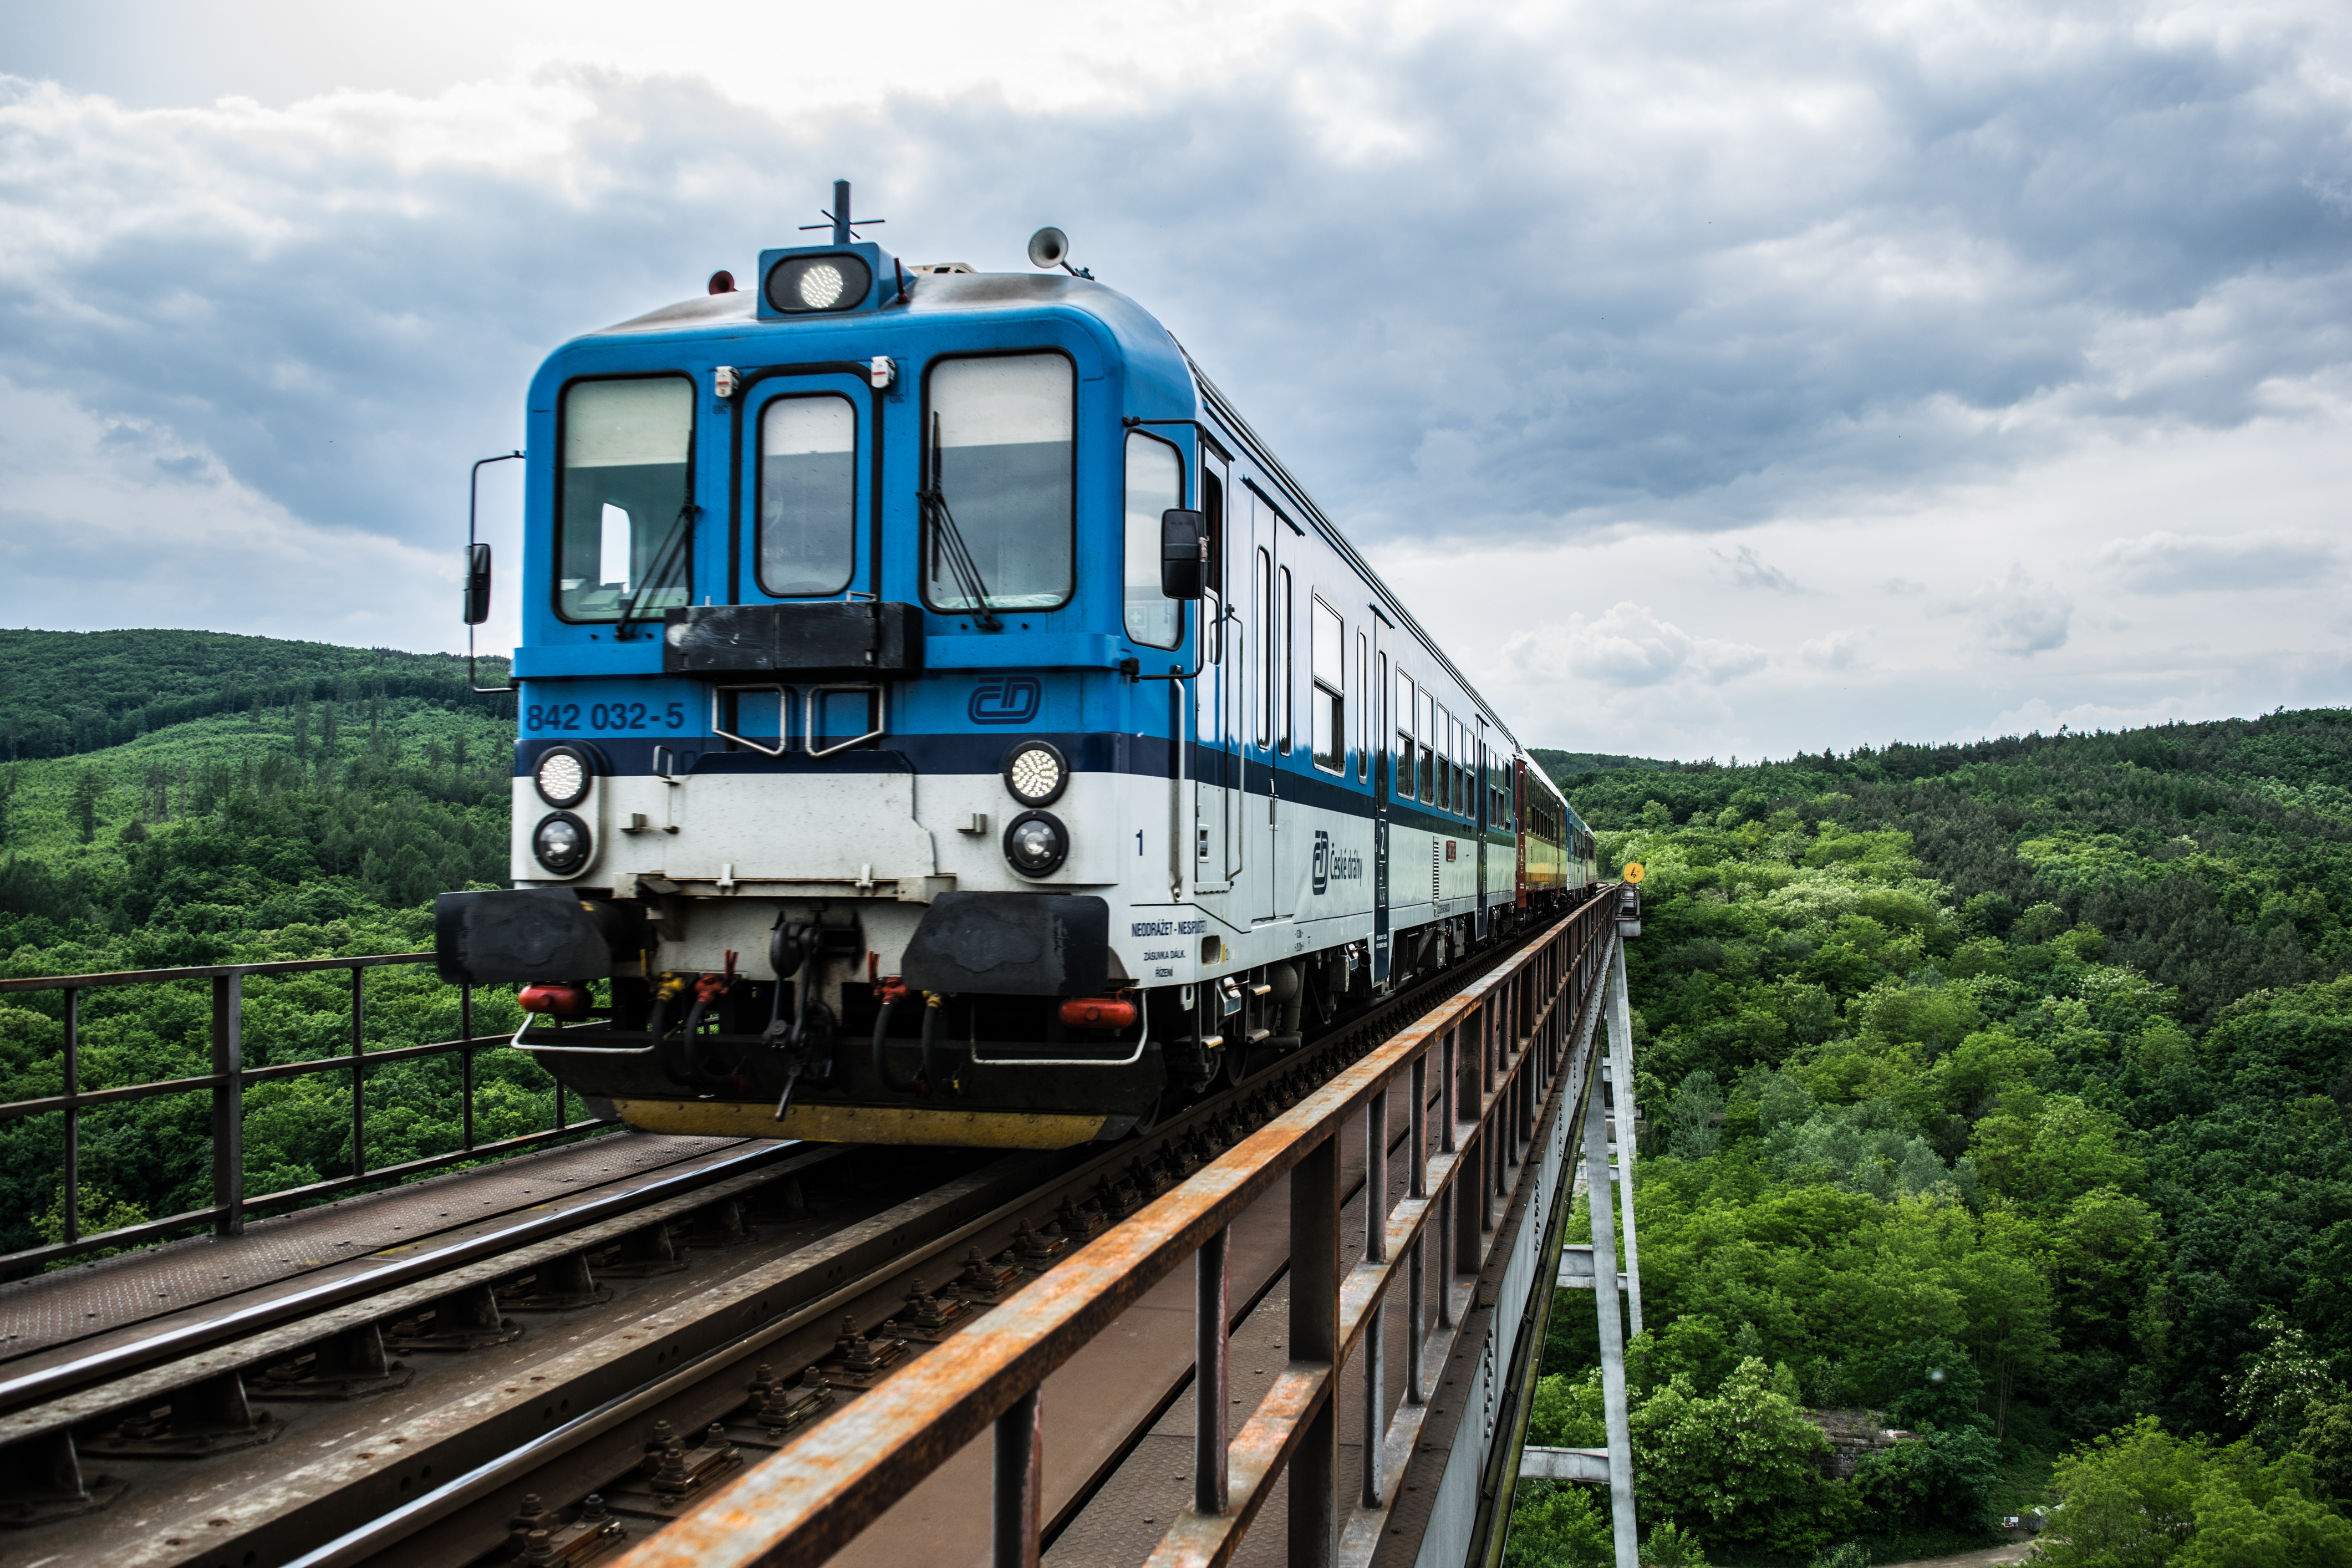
2140, 1497
1670, 1548
1558, 1524
1939, 1477
1741, 1467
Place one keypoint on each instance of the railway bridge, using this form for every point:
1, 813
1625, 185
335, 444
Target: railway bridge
1299, 1322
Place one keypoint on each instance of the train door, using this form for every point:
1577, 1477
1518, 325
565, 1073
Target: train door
808, 507
1482, 806
1217, 711
1379, 701
1260, 796
1520, 831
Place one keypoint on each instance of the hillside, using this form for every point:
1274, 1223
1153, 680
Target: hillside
315, 816
62, 693
2005, 1089
1565, 765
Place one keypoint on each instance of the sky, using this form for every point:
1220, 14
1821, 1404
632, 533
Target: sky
1711, 380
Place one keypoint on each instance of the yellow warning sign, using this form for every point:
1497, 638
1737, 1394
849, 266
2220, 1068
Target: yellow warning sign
1634, 871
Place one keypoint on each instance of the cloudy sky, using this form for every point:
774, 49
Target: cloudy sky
1713, 379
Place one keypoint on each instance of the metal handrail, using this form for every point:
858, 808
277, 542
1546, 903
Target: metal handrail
228, 1081
1503, 1045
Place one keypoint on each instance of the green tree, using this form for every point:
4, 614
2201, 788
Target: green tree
87, 791
2281, 1385
2009, 1309
1558, 1524
1671, 1548
2130, 1500
1740, 1466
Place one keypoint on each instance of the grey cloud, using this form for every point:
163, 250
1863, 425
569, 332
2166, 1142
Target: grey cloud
1749, 570
2017, 615
1630, 646
2163, 563
1614, 266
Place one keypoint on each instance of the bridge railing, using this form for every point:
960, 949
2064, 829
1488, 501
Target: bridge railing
1491, 1056
227, 1083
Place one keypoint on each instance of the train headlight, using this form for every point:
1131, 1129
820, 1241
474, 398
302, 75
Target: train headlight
1036, 843
805, 284
561, 843
562, 777
1036, 772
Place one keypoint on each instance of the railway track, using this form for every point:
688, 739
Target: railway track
637, 1386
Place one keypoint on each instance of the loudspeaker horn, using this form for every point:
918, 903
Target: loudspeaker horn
1048, 248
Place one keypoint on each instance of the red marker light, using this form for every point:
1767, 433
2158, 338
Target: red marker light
558, 1001
1099, 1012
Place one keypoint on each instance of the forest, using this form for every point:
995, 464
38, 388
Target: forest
261, 799
2000, 1091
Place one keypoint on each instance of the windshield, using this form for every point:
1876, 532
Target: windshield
998, 447
808, 495
620, 538
1155, 484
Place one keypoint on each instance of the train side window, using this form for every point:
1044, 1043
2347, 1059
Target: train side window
808, 495
1328, 657
1286, 607
998, 450
1427, 729
1457, 775
1261, 593
1452, 760
1405, 712
1364, 691
623, 497
1212, 620
1155, 483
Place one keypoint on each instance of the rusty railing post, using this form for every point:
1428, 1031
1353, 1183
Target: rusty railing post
465, 1059
1017, 1517
73, 1069
359, 1072
1376, 1250
1212, 1316
1315, 1338
228, 1104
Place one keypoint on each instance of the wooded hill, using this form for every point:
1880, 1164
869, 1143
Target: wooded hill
2004, 1090
314, 808
62, 693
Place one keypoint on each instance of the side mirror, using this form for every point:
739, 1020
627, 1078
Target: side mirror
477, 584
1183, 553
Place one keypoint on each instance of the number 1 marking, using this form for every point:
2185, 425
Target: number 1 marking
1139, 841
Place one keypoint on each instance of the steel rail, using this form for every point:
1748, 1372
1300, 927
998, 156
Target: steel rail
846, 1472
122, 1361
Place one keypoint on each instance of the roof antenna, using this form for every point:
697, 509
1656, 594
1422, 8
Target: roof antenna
1050, 247
844, 231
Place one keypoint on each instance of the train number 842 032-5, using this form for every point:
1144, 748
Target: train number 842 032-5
603, 717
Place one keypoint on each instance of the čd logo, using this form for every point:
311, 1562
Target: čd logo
1004, 699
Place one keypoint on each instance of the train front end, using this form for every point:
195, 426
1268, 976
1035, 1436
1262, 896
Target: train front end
845, 777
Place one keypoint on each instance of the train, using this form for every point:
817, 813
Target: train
943, 721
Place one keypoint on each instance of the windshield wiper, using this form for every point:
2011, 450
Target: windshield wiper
959, 562
656, 576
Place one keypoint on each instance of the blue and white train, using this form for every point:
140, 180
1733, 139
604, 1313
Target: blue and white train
943, 721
